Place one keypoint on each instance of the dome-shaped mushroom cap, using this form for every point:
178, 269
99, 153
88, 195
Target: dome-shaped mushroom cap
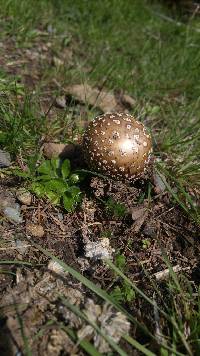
117, 145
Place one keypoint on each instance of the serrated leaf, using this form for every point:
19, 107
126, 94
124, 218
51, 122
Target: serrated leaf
56, 185
71, 197
74, 191
117, 294
43, 178
65, 169
45, 168
38, 189
55, 165
53, 197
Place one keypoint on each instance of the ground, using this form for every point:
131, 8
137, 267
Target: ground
149, 228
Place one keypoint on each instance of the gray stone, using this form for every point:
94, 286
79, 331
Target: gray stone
5, 160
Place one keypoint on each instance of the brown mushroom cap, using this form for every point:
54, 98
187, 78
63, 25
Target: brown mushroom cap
117, 145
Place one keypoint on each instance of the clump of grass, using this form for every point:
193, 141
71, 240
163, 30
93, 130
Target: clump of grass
115, 208
20, 125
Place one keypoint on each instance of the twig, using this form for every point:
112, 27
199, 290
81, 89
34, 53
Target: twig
165, 273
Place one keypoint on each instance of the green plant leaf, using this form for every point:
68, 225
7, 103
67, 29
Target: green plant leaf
38, 189
71, 198
117, 209
65, 169
117, 294
43, 177
56, 185
55, 164
3, 137
74, 178
125, 293
74, 191
120, 261
45, 168
19, 173
53, 197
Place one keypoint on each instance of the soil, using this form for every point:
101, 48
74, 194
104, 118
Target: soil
29, 293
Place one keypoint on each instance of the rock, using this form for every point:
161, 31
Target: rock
138, 212
99, 250
149, 229
22, 246
9, 207
35, 230
5, 160
13, 214
7, 200
51, 149
60, 102
51, 29
24, 196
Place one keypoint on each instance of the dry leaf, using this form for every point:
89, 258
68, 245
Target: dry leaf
92, 96
158, 180
35, 230
138, 212
104, 100
139, 215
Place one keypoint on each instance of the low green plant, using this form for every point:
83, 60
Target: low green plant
120, 262
58, 183
107, 233
146, 243
122, 292
54, 180
115, 208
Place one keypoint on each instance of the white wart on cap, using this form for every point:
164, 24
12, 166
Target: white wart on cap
117, 145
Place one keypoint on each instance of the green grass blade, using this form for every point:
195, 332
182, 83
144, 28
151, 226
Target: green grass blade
138, 346
137, 290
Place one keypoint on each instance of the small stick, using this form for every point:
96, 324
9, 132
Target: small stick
165, 273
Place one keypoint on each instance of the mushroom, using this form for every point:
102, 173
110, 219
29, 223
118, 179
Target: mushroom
117, 145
